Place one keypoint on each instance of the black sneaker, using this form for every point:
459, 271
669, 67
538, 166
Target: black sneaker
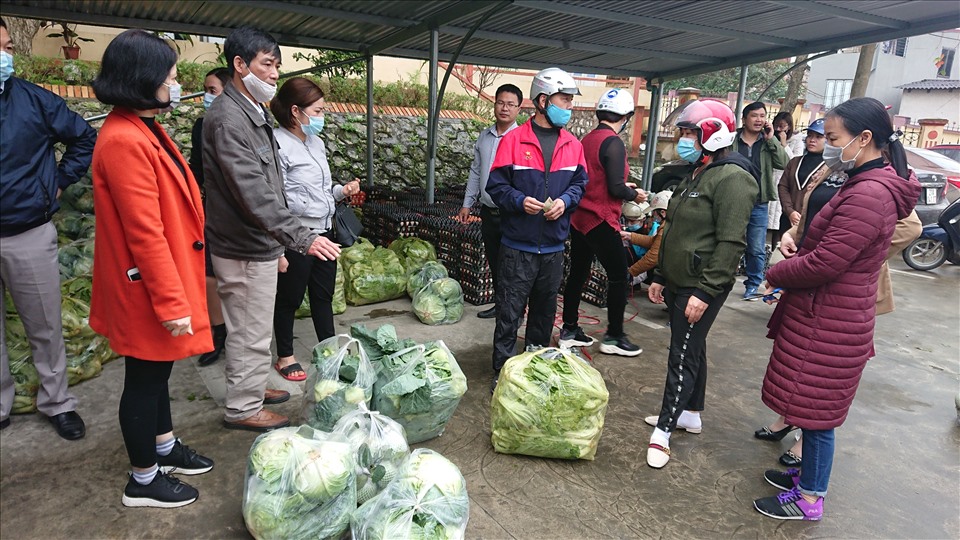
164, 492
783, 480
184, 460
790, 505
574, 338
620, 346
493, 383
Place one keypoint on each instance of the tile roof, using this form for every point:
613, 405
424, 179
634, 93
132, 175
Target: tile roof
932, 84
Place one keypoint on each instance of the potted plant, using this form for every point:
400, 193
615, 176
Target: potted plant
71, 50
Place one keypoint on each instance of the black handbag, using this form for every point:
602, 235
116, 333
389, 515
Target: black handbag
346, 227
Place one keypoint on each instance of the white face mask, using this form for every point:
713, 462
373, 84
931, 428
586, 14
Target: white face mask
833, 156
262, 92
174, 89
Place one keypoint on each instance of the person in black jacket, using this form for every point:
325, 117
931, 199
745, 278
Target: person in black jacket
213, 85
31, 182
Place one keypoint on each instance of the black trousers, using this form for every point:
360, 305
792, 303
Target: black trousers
306, 273
686, 384
525, 278
490, 231
144, 409
605, 243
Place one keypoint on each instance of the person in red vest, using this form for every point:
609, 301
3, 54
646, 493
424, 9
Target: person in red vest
596, 226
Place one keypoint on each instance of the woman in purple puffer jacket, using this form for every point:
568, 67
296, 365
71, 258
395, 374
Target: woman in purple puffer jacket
823, 325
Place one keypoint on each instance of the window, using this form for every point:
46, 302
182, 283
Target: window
944, 68
896, 47
838, 91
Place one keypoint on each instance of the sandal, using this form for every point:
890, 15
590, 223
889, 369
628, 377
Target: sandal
292, 368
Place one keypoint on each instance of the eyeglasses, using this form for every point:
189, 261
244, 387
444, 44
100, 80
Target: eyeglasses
506, 104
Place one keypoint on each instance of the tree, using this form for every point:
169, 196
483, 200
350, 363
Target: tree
861, 77
485, 77
328, 56
22, 32
795, 85
719, 83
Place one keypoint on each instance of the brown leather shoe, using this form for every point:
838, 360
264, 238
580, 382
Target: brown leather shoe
262, 421
272, 396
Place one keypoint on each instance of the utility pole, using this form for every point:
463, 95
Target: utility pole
862, 77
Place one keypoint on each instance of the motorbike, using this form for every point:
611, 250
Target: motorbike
938, 242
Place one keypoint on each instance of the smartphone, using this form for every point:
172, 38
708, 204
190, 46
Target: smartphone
133, 274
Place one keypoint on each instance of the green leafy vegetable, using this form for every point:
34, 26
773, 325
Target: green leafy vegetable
373, 276
381, 342
413, 252
381, 446
439, 302
342, 380
548, 403
430, 271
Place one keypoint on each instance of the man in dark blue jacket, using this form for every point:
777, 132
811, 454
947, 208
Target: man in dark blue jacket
31, 181
537, 180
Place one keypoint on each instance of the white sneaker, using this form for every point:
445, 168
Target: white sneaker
657, 455
652, 421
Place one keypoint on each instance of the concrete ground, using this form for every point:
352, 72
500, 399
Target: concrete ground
895, 472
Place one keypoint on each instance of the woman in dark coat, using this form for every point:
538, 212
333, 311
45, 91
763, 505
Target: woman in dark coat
823, 325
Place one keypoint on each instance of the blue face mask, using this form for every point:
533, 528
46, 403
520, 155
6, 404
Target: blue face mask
687, 151
633, 228
314, 127
558, 117
6, 66
208, 100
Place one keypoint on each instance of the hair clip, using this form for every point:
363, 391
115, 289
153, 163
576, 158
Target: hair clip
895, 136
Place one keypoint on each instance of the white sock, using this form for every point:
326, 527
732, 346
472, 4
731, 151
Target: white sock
164, 448
660, 437
144, 478
690, 419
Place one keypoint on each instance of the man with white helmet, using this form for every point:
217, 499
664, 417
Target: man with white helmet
596, 226
650, 242
703, 240
537, 180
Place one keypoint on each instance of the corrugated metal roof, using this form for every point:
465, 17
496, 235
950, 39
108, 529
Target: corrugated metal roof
653, 39
932, 84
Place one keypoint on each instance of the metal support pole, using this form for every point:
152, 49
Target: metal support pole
653, 131
432, 113
370, 120
743, 90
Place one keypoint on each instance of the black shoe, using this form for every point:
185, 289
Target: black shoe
5, 423
783, 480
184, 460
164, 492
620, 346
219, 343
488, 313
69, 425
574, 338
789, 459
493, 383
765, 434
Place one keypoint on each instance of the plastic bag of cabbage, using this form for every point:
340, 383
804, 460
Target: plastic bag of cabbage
381, 446
425, 274
420, 387
413, 252
548, 403
439, 302
300, 483
428, 499
341, 379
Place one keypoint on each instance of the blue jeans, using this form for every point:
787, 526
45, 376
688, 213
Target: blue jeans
756, 253
817, 461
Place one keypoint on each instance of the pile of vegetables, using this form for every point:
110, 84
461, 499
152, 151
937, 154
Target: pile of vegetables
300, 483
439, 302
381, 448
86, 351
342, 380
413, 252
371, 274
428, 499
380, 342
548, 403
425, 274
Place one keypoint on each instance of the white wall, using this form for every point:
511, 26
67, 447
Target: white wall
919, 104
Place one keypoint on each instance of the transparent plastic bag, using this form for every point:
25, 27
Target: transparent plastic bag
378, 276
339, 379
300, 483
427, 499
420, 387
419, 277
381, 446
548, 403
439, 302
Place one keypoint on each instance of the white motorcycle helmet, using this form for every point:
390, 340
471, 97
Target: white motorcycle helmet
552, 80
617, 101
633, 211
660, 201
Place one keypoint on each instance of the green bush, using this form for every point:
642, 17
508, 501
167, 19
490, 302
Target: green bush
42, 70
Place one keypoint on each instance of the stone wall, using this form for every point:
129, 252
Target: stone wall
399, 152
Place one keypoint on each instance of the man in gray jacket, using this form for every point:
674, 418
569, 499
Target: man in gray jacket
248, 224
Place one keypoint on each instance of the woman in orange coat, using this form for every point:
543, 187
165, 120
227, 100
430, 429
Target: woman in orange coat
148, 271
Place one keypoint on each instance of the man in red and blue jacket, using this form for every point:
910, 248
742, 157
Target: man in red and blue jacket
537, 179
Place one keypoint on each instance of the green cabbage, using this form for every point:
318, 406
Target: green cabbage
413, 252
427, 500
425, 274
341, 378
381, 447
548, 403
377, 276
300, 483
380, 343
439, 302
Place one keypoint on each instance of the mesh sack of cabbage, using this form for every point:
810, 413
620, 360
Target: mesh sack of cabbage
381, 446
548, 403
427, 499
430, 271
339, 380
300, 483
420, 387
439, 302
